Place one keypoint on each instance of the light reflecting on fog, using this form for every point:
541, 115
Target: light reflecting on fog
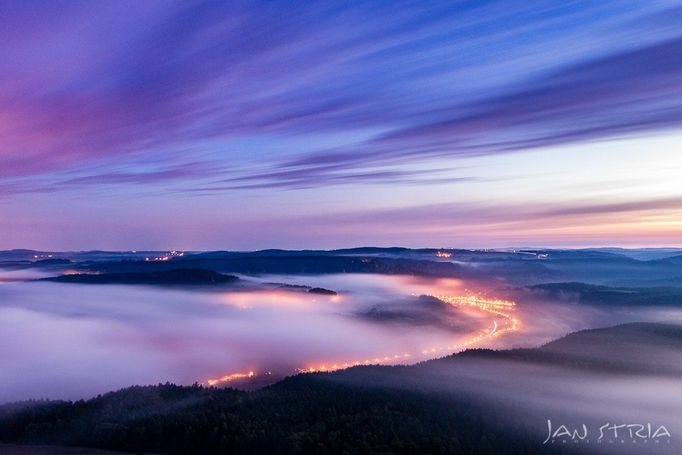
69, 341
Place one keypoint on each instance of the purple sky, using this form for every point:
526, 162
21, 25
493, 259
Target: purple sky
250, 125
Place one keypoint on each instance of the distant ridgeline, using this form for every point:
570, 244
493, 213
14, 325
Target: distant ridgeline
608, 266
169, 277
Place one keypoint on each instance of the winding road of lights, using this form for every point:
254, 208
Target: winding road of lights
499, 308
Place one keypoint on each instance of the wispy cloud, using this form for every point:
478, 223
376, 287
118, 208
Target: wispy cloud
502, 224
378, 104
432, 80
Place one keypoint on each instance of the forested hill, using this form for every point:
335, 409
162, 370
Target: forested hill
427, 408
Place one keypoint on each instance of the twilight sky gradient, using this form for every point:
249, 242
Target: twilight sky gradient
230, 125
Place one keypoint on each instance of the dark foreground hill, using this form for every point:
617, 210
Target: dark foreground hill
14, 449
477, 402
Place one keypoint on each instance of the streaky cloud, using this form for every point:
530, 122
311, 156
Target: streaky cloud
420, 82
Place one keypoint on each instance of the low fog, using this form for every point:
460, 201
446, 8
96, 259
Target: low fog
73, 341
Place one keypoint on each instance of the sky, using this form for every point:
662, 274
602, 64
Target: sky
247, 125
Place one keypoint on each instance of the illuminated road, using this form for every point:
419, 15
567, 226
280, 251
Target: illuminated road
500, 310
